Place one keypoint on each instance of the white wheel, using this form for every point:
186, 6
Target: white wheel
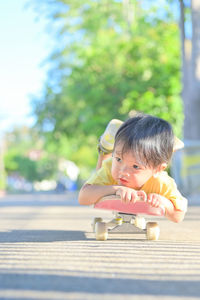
119, 220
153, 231
101, 231
140, 222
94, 222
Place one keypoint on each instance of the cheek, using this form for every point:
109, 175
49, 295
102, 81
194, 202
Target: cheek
147, 176
135, 178
139, 178
114, 170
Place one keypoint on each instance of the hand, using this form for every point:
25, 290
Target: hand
155, 200
129, 195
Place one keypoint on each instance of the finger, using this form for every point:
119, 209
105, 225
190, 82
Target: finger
142, 195
118, 193
163, 209
153, 203
153, 200
149, 198
133, 198
127, 197
136, 198
123, 196
156, 201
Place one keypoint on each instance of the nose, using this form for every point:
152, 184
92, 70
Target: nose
125, 171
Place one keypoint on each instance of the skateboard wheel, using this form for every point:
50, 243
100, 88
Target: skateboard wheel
101, 231
140, 222
94, 222
118, 220
152, 231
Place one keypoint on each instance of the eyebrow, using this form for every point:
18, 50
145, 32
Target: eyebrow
140, 164
118, 153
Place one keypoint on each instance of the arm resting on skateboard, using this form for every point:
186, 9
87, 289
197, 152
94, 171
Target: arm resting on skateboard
170, 211
91, 193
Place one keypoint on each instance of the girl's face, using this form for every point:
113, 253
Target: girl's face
127, 171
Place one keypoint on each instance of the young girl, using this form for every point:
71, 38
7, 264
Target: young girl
142, 150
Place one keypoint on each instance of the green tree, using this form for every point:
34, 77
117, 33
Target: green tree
114, 57
20, 143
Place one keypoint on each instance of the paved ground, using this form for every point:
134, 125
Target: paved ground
48, 251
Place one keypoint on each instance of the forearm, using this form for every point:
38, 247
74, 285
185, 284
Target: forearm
171, 213
90, 193
175, 216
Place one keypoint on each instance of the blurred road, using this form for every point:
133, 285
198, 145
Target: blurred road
48, 251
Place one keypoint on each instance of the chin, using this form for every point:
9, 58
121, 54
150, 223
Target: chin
126, 184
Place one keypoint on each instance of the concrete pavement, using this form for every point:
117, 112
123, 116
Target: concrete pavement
48, 251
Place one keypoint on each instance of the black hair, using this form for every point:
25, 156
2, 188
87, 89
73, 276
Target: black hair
149, 138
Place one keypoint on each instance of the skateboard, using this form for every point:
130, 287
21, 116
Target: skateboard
127, 218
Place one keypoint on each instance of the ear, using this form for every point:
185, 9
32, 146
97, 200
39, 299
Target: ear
162, 167
159, 169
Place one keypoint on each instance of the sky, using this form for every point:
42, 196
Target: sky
24, 46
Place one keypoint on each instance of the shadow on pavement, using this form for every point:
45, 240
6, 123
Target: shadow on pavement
66, 199
66, 283
42, 236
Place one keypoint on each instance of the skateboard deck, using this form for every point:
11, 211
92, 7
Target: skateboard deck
126, 218
113, 202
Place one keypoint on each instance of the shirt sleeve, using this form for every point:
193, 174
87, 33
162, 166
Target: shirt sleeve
171, 192
103, 175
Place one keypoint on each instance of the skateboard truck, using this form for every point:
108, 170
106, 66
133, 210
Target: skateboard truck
126, 218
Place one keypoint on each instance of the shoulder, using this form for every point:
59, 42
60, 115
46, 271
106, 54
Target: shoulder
103, 175
163, 179
107, 163
161, 184
168, 188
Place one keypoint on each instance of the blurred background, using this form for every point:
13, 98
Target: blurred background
69, 66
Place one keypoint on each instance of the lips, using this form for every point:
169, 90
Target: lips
123, 181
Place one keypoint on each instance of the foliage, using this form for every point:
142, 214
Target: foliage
2, 180
111, 60
18, 163
18, 160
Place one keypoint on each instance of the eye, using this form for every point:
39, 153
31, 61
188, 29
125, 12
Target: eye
118, 159
136, 167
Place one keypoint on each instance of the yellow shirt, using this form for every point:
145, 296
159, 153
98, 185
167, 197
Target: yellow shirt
163, 185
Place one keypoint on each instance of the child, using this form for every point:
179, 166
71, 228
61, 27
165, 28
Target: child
142, 150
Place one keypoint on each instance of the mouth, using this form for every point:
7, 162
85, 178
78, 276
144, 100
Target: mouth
123, 181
